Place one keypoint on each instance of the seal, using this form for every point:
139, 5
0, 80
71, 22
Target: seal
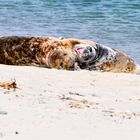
103, 58
66, 54
47, 52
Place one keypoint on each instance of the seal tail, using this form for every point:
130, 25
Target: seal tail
138, 69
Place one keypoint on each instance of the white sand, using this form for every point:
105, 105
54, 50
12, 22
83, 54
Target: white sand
69, 105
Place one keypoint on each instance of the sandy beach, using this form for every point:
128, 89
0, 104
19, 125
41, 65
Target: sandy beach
79, 105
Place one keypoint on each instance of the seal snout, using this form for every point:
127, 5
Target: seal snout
88, 51
85, 52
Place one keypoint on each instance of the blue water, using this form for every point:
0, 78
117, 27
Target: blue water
115, 23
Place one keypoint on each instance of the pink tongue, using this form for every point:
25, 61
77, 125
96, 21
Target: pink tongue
80, 50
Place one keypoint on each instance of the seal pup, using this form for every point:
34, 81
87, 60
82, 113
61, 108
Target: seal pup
103, 58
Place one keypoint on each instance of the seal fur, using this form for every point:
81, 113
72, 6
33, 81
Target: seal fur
106, 59
47, 52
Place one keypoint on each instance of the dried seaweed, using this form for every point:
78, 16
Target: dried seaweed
8, 85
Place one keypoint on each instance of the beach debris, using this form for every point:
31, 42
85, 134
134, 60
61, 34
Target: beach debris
3, 113
8, 85
16, 132
79, 103
124, 115
75, 93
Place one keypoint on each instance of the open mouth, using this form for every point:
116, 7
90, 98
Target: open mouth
80, 50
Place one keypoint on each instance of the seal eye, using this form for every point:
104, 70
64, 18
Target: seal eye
61, 64
90, 48
65, 54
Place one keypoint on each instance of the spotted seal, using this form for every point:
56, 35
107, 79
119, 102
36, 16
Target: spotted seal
46, 52
61, 53
103, 58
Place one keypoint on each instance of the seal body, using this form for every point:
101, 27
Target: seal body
47, 52
61, 53
103, 58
